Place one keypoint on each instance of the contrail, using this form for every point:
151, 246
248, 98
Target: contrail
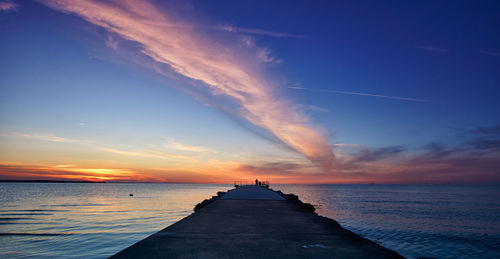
229, 28
363, 94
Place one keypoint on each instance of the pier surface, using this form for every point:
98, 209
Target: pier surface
252, 192
255, 222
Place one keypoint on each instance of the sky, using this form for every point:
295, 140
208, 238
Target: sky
222, 91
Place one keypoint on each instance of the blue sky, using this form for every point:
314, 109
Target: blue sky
439, 51
65, 75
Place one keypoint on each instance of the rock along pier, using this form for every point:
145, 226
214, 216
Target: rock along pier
252, 221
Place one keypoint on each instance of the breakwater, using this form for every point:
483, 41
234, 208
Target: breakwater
255, 222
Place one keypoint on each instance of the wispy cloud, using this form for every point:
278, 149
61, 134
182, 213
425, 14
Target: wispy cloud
361, 94
367, 155
433, 48
112, 43
317, 108
491, 131
9, 6
61, 166
171, 144
274, 169
43, 137
147, 153
67, 172
491, 53
265, 56
345, 145
211, 174
230, 28
223, 69
475, 159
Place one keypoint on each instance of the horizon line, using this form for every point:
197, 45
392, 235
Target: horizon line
143, 182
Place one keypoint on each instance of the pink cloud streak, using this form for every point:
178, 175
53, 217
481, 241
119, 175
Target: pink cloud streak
201, 58
8, 6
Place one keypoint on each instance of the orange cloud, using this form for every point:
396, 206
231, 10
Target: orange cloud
224, 70
410, 169
66, 172
208, 173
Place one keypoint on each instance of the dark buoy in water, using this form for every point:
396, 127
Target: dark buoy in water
131, 195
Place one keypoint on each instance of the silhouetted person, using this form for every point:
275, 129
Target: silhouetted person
256, 182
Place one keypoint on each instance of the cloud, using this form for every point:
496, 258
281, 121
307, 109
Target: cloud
249, 42
317, 108
484, 144
484, 139
281, 172
112, 43
436, 150
171, 144
233, 29
20, 171
469, 161
9, 6
475, 159
43, 137
68, 172
434, 49
147, 153
273, 168
457, 168
377, 154
491, 53
409, 169
345, 145
61, 166
361, 94
223, 69
230, 28
492, 131
264, 55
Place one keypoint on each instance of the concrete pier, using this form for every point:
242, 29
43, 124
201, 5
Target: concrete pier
255, 222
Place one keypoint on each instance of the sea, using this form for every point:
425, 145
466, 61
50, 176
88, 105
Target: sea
97, 220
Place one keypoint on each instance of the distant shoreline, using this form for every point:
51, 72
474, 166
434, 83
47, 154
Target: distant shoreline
45, 181
340, 184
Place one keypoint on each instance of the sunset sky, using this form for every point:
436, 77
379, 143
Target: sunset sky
222, 91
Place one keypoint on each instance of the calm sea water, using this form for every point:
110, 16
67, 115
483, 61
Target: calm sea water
442, 221
97, 220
